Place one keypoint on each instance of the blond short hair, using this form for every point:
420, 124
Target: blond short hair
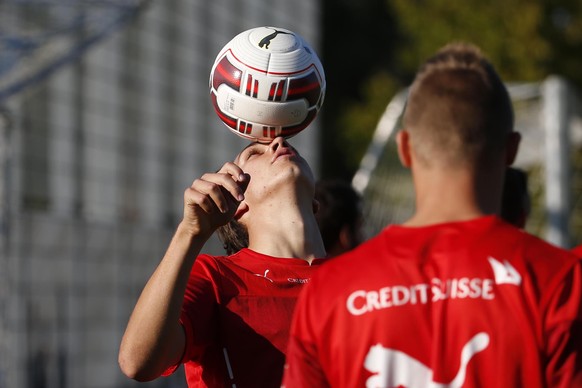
458, 109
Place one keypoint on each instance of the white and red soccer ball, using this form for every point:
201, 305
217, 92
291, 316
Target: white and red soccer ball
267, 82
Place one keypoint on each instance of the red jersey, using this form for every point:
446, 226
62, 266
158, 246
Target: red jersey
578, 250
236, 315
465, 304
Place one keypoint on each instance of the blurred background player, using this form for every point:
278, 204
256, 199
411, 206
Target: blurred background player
339, 216
515, 201
227, 318
455, 296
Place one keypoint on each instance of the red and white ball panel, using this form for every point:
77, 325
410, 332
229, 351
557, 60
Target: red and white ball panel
267, 82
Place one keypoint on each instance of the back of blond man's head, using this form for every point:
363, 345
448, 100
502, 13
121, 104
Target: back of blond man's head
458, 111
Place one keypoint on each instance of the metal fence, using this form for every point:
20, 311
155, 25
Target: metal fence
98, 139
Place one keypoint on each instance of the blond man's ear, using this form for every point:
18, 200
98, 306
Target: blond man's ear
403, 145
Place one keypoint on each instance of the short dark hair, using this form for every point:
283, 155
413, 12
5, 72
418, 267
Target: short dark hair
459, 107
339, 205
234, 236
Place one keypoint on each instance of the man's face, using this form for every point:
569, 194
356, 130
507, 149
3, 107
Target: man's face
272, 166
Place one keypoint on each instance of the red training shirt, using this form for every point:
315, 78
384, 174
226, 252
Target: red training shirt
464, 304
236, 315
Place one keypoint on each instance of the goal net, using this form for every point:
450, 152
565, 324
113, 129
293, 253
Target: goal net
548, 115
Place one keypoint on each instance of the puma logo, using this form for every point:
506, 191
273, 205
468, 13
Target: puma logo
394, 368
264, 276
266, 41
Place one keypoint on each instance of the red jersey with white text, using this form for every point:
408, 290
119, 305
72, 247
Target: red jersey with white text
465, 304
236, 315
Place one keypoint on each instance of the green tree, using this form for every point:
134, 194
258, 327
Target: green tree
359, 42
562, 29
507, 31
372, 48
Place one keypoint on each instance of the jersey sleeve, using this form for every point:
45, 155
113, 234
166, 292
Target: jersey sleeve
199, 310
563, 332
302, 366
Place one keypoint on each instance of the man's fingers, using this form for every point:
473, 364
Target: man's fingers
218, 192
234, 186
212, 192
244, 180
233, 170
193, 197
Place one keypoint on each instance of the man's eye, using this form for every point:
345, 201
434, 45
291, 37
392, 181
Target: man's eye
252, 153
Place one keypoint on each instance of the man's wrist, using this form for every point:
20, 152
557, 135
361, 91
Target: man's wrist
192, 234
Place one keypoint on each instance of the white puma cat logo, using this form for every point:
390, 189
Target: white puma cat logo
264, 276
394, 368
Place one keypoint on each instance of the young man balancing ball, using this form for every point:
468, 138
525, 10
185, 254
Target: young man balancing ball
227, 318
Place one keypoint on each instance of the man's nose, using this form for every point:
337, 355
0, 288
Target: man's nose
277, 142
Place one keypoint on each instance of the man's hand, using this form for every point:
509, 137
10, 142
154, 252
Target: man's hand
213, 199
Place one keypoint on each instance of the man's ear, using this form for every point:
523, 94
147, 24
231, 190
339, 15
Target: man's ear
513, 140
316, 206
403, 145
241, 210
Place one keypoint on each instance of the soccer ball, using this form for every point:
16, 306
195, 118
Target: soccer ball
267, 82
